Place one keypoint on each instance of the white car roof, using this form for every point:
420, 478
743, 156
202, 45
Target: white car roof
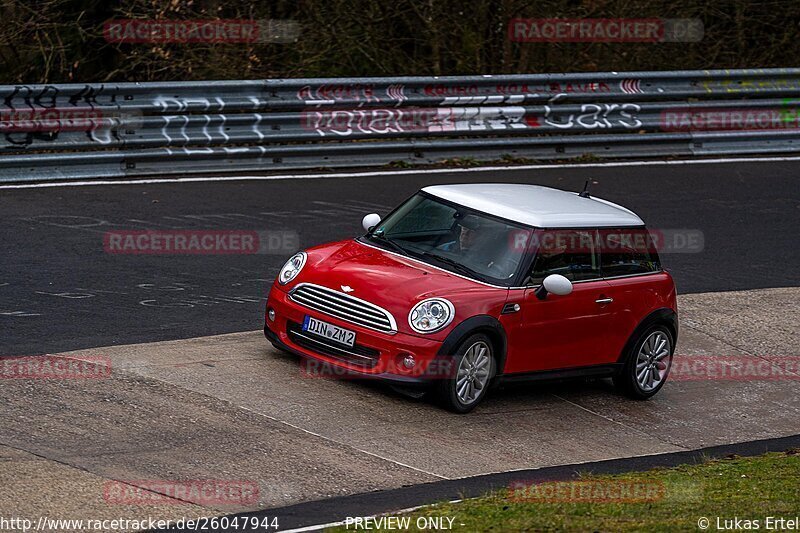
537, 206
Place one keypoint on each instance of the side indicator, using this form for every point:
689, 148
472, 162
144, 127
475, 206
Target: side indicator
510, 308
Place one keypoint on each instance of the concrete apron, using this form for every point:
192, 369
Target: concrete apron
230, 407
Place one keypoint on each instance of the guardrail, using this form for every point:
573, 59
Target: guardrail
140, 129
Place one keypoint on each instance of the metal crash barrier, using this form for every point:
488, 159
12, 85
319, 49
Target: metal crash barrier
143, 129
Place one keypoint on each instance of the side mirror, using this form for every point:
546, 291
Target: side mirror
555, 283
370, 221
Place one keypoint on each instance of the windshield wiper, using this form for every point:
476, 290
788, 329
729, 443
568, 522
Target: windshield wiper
380, 238
455, 264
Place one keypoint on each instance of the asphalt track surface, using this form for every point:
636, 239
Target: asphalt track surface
212, 406
59, 289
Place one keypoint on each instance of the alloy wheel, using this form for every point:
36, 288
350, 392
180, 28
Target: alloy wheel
473, 372
652, 363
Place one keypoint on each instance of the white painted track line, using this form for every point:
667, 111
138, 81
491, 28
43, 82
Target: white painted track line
357, 174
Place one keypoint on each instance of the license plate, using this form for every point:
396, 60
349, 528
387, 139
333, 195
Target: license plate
329, 331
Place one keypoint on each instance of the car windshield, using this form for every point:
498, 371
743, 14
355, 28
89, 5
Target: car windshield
454, 238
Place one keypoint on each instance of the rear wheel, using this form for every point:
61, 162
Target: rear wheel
474, 368
647, 364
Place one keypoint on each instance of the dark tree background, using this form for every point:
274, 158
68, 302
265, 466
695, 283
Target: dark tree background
62, 40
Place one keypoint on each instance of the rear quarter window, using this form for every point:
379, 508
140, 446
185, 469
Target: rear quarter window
628, 251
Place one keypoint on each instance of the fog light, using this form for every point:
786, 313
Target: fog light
271, 314
408, 361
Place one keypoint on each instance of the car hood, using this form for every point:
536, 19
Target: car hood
394, 282
375, 272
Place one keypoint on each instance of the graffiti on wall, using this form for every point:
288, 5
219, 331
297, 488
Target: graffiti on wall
595, 116
351, 94
450, 94
431, 120
41, 114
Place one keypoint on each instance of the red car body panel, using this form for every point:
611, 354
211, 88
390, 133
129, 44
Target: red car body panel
392, 282
558, 332
576, 331
396, 283
561, 332
390, 346
635, 297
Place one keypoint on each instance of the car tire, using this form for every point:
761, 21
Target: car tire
647, 364
472, 372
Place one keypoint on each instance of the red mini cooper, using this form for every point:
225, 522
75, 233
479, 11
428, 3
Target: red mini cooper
462, 286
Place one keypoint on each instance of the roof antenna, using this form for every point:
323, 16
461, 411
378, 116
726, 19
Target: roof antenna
585, 192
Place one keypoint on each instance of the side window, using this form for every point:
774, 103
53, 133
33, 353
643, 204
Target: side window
628, 251
571, 253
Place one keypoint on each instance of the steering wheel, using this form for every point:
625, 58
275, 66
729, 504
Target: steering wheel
504, 268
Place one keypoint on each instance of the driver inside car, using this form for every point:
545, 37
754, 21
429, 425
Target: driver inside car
468, 235
481, 245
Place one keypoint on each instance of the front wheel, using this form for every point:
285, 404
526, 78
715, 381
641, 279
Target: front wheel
647, 364
474, 368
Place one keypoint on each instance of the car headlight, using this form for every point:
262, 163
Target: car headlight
292, 268
431, 315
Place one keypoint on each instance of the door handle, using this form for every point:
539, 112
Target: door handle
603, 301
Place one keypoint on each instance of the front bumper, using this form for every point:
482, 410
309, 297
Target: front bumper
379, 354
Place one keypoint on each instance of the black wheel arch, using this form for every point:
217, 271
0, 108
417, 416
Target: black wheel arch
663, 316
485, 324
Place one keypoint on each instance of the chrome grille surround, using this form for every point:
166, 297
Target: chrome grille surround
343, 306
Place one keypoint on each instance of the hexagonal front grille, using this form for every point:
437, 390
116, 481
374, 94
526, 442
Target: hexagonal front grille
343, 306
